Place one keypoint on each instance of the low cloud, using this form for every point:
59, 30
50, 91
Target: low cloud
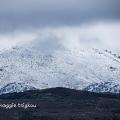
47, 43
103, 35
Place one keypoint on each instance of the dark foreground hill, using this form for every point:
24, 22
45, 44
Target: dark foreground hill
60, 104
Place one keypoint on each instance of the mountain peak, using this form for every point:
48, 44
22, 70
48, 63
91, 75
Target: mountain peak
74, 69
104, 87
15, 87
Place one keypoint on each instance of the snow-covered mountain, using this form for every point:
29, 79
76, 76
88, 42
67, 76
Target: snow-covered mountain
15, 87
104, 87
74, 69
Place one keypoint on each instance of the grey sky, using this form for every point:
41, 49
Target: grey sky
26, 14
68, 22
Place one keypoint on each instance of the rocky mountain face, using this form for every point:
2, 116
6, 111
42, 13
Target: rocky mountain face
74, 69
103, 87
15, 87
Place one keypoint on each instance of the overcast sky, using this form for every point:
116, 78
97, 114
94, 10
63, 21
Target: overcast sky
23, 20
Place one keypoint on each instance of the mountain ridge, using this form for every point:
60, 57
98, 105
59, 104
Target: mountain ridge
74, 69
62, 104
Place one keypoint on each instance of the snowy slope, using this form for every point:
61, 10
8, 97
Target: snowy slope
75, 69
104, 87
15, 87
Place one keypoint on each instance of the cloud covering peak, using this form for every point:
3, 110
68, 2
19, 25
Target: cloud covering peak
52, 24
